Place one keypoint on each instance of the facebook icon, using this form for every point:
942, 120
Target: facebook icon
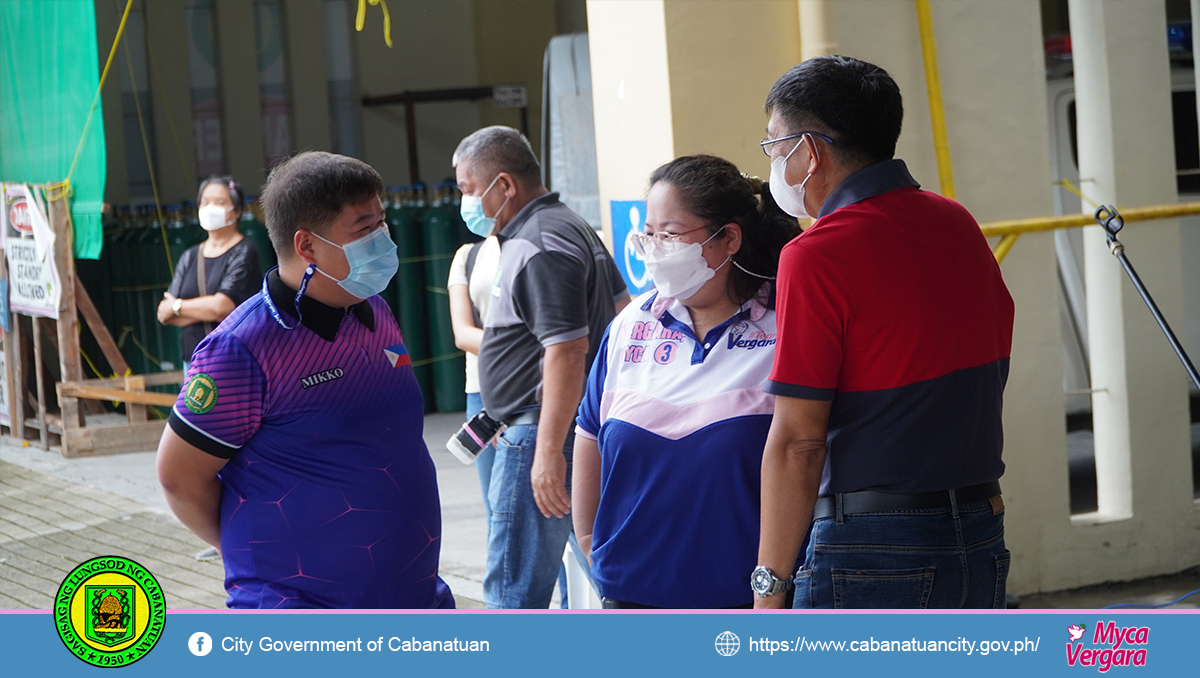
200, 643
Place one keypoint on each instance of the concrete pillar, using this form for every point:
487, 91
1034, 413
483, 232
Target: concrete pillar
673, 78
241, 110
171, 99
818, 32
307, 81
1140, 414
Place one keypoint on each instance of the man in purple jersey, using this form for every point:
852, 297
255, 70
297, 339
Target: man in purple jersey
295, 447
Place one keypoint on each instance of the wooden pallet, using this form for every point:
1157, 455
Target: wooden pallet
138, 434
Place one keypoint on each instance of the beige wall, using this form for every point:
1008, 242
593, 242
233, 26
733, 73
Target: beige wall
434, 48
510, 41
722, 59
437, 44
308, 86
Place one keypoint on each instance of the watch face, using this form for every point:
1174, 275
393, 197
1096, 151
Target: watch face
761, 580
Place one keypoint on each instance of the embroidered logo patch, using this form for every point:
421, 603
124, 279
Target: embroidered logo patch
322, 377
201, 394
397, 355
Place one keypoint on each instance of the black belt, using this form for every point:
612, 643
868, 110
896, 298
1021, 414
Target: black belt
613, 604
869, 501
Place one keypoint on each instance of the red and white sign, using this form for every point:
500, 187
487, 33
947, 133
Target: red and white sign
18, 216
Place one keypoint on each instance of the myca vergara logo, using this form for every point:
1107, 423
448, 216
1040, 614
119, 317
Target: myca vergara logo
110, 611
1112, 646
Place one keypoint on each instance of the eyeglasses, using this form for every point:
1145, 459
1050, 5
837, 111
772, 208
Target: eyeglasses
766, 143
644, 242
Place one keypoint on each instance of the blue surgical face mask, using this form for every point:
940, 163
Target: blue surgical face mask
472, 212
372, 260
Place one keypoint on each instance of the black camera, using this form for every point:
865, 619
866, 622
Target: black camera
479, 432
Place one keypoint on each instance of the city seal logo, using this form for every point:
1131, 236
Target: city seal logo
201, 394
110, 611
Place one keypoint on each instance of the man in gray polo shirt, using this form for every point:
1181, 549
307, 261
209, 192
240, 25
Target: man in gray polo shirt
556, 291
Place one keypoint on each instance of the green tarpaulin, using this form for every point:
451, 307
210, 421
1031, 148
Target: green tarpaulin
49, 73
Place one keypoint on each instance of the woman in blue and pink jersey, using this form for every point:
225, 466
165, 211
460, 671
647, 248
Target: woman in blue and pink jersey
671, 430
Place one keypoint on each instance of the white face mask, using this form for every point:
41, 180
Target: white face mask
679, 269
790, 198
213, 217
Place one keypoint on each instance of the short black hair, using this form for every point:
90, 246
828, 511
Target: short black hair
855, 102
309, 190
497, 149
236, 194
713, 190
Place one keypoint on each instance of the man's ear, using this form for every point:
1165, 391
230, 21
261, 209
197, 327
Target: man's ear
814, 156
507, 183
302, 243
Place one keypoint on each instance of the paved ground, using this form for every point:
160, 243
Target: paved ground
56, 513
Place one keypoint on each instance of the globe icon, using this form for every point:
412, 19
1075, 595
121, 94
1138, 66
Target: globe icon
728, 644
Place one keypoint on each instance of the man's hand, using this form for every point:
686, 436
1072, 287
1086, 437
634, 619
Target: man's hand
564, 370
549, 478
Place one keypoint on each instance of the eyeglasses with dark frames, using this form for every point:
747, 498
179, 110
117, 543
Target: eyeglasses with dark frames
766, 143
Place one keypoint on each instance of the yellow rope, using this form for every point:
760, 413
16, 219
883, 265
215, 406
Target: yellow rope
112, 53
361, 18
127, 331
1066, 183
137, 100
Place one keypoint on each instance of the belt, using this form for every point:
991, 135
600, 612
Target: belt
613, 604
869, 501
529, 418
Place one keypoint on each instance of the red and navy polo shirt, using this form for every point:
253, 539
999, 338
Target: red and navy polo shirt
892, 306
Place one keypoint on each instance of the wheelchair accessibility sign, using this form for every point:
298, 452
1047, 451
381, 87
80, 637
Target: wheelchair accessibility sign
629, 216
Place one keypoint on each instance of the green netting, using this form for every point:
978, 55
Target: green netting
49, 72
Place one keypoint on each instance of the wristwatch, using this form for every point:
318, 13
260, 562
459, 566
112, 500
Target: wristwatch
764, 582
177, 306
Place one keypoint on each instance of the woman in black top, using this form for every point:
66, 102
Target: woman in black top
230, 275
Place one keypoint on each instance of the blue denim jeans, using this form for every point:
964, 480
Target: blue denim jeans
931, 558
483, 462
525, 548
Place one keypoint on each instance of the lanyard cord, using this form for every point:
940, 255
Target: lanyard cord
308, 274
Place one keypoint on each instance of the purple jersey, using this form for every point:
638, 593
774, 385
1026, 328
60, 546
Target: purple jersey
330, 498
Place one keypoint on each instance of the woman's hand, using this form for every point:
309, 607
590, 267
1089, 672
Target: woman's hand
166, 309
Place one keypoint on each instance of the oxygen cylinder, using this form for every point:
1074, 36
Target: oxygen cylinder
449, 364
408, 288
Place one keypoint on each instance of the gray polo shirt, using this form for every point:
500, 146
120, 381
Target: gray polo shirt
556, 282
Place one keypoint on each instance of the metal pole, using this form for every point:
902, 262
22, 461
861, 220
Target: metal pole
1110, 220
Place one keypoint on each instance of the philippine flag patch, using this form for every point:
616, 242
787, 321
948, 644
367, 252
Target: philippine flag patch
397, 355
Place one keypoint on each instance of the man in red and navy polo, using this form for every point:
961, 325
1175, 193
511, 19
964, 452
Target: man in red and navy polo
895, 328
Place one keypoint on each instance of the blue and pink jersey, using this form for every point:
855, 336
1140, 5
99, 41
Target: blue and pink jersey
330, 497
681, 422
